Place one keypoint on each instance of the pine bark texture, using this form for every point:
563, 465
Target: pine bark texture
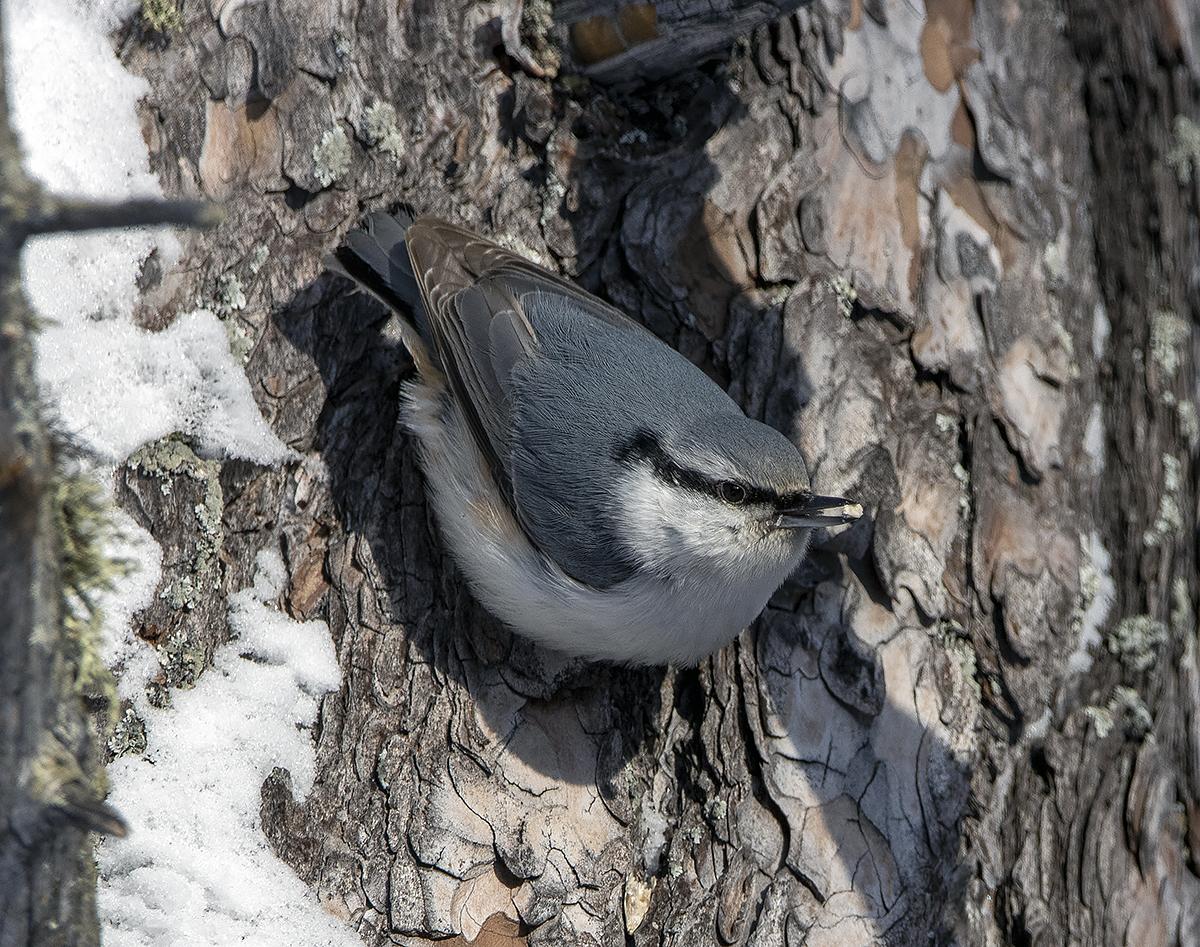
49, 768
52, 561
951, 252
47, 876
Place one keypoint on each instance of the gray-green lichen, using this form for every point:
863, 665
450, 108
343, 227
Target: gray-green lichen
182, 663
1101, 718
963, 476
1184, 156
1089, 576
1168, 523
1053, 261
172, 457
128, 736
331, 156
241, 344
84, 525
1067, 341
230, 295
230, 298
553, 193
161, 458
950, 639
1189, 423
343, 49
181, 658
159, 16
1136, 641
1168, 342
181, 594
259, 257
1182, 621
846, 294
379, 124
537, 23
1127, 705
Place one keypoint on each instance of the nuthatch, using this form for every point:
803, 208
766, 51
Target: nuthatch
600, 493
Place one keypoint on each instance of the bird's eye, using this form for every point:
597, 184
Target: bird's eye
732, 492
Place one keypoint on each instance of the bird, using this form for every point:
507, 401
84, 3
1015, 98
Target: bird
601, 495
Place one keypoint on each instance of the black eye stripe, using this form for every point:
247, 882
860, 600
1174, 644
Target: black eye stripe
644, 446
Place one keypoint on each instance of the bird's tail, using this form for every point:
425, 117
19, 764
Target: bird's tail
375, 257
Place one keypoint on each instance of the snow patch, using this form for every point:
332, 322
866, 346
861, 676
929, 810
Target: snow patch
196, 868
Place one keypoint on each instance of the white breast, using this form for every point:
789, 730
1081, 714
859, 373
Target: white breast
702, 586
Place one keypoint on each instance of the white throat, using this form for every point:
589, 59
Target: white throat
704, 546
707, 573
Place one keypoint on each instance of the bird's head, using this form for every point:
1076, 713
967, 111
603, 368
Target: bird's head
720, 497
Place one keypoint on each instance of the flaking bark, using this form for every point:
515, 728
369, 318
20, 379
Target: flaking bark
951, 253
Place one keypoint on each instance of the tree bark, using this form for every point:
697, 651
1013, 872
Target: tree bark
950, 252
47, 878
51, 779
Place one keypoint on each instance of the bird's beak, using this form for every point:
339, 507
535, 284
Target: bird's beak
819, 511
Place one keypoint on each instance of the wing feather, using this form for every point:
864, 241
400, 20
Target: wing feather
469, 296
479, 330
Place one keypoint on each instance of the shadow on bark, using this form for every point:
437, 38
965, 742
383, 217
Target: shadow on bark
379, 493
784, 751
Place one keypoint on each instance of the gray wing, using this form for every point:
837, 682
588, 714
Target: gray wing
472, 291
476, 296
437, 241
478, 310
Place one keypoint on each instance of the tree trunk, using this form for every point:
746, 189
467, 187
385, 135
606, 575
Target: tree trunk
950, 252
52, 782
51, 779
47, 877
